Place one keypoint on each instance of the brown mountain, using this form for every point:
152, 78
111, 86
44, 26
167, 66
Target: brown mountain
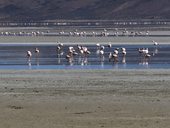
83, 9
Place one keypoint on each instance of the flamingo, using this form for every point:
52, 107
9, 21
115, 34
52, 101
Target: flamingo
85, 51
124, 51
102, 47
101, 53
98, 45
71, 53
69, 56
155, 43
113, 56
143, 51
37, 51
109, 45
140, 50
29, 55
116, 51
100, 50
60, 48
146, 55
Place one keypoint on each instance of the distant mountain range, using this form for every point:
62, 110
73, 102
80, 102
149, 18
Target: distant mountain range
19, 10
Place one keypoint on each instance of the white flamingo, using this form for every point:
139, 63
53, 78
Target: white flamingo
101, 53
123, 51
60, 49
145, 53
29, 55
116, 52
113, 56
155, 43
98, 45
69, 56
37, 51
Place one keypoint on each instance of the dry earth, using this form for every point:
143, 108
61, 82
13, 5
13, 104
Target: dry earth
84, 98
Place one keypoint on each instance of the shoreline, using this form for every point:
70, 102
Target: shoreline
84, 98
81, 40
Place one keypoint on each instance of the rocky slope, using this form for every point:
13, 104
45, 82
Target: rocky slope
83, 9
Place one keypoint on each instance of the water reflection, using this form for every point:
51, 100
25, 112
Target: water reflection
37, 51
124, 61
155, 51
115, 66
59, 57
79, 56
144, 61
29, 64
83, 61
86, 56
37, 61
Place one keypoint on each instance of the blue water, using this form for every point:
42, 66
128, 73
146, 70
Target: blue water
13, 56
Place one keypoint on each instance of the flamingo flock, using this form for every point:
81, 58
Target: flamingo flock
78, 33
83, 52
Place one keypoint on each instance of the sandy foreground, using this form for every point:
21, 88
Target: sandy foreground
84, 98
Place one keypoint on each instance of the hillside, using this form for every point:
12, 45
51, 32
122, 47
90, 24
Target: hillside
83, 9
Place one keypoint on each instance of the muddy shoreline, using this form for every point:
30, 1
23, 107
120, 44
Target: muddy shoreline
84, 98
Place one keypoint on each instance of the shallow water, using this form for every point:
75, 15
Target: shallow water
13, 56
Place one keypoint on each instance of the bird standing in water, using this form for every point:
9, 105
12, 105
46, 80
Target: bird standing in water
37, 51
29, 55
